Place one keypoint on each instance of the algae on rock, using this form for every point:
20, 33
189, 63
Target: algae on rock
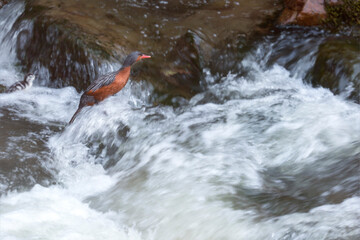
337, 67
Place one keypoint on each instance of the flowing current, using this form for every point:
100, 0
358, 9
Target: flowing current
263, 156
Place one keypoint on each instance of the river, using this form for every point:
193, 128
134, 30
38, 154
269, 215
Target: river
259, 156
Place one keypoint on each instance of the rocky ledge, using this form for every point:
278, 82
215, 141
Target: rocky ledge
69, 40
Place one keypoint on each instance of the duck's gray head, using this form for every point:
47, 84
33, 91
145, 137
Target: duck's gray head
29, 78
133, 58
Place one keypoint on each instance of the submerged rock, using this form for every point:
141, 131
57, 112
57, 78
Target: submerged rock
337, 67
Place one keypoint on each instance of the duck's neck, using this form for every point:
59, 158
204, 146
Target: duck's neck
123, 75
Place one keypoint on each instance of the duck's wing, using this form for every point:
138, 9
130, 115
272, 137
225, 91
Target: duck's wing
102, 81
16, 87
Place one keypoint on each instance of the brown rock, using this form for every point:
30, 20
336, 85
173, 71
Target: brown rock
303, 12
295, 5
312, 13
288, 16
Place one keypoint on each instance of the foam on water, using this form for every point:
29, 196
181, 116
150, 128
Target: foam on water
171, 174
174, 169
42, 104
53, 213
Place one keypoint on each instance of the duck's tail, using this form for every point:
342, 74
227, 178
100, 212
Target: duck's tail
85, 100
75, 115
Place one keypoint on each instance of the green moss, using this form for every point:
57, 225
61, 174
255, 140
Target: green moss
2, 88
346, 14
337, 67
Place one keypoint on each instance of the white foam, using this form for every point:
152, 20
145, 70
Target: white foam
53, 213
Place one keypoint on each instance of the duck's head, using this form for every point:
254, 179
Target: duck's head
133, 58
30, 77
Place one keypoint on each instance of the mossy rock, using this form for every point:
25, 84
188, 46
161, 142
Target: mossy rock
344, 13
2, 88
337, 67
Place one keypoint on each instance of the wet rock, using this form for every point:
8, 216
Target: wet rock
179, 73
58, 51
2, 88
24, 151
185, 68
228, 54
69, 40
303, 12
337, 67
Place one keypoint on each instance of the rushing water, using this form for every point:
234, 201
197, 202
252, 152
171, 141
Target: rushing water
264, 156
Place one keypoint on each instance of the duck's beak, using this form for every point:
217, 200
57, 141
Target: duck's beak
144, 56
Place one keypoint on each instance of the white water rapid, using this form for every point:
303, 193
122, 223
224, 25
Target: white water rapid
265, 156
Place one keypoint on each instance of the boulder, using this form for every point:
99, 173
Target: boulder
58, 56
69, 40
179, 72
303, 12
337, 67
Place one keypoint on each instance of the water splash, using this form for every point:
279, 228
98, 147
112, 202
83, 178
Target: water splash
264, 156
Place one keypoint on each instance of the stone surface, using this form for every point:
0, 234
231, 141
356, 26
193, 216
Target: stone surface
337, 67
312, 13
303, 12
295, 5
87, 31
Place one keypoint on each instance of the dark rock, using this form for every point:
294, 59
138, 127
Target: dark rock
295, 5
179, 73
228, 54
58, 52
337, 67
2, 88
185, 68
69, 40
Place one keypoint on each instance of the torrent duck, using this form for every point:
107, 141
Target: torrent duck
21, 85
108, 84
